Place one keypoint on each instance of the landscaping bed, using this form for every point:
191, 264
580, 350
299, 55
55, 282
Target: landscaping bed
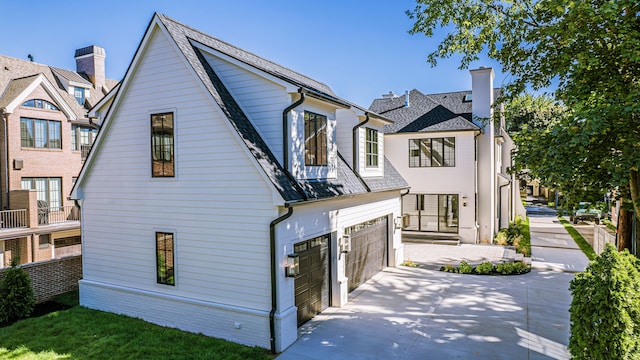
488, 268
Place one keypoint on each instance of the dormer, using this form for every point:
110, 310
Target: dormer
369, 145
314, 150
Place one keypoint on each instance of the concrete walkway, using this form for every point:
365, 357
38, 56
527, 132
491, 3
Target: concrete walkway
417, 313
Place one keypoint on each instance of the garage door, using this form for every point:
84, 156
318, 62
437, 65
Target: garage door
312, 284
368, 253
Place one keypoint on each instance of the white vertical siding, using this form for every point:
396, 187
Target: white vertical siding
262, 100
218, 206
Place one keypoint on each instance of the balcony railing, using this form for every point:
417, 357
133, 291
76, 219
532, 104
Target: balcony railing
14, 219
84, 150
58, 214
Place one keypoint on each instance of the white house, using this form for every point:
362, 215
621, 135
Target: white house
455, 160
230, 196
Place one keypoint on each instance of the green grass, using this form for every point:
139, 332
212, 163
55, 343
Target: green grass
582, 243
81, 333
525, 244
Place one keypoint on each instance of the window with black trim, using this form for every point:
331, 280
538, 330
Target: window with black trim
162, 149
371, 152
165, 260
431, 212
433, 152
315, 139
41, 134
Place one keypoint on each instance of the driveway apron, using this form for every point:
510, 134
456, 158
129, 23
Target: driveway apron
417, 313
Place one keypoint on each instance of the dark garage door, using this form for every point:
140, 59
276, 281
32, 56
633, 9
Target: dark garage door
312, 284
368, 253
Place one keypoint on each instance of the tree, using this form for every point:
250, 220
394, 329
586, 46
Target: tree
591, 48
531, 112
16, 294
605, 308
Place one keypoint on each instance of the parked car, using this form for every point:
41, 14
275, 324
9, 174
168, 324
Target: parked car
587, 215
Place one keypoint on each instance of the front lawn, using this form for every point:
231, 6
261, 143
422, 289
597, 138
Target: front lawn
81, 333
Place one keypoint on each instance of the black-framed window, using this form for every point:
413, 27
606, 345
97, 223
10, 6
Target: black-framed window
165, 270
162, 145
40, 104
315, 139
432, 152
431, 212
44, 240
39, 133
371, 151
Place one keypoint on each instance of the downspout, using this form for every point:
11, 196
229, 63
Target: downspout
6, 160
274, 270
353, 148
285, 129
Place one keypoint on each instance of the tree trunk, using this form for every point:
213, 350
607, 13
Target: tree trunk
624, 229
634, 187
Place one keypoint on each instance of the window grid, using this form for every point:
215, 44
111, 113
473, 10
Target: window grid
371, 152
47, 189
315, 143
40, 104
82, 135
433, 152
162, 145
41, 134
165, 260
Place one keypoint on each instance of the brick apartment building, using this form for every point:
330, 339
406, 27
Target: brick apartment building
45, 136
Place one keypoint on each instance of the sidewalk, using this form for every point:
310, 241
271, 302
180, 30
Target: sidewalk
552, 248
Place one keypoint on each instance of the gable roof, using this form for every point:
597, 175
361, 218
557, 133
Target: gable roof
13, 71
189, 43
428, 112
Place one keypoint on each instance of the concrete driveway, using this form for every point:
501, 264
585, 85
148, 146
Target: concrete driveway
417, 313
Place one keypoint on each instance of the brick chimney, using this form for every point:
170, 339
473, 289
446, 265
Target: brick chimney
90, 60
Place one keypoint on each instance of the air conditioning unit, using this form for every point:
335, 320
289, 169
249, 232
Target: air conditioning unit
345, 244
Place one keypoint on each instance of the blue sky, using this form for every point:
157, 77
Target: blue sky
361, 49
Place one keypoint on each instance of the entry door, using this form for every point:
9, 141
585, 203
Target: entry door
312, 284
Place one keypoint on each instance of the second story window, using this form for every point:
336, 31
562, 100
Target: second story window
82, 135
372, 147
40, 104
78, 93
315, 139
434, 152
49, 190
37, 133
162, 155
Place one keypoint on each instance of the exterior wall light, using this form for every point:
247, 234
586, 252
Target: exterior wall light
464, 200
345, 243
293, 265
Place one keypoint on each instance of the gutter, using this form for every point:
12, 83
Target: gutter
6, 162
355, 141
274, 270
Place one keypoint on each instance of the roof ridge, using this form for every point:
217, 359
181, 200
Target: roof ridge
165, 17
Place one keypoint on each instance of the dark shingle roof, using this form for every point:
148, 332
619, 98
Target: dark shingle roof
12, 69
291, 190
427, 112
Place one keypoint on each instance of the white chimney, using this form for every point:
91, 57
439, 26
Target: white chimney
390, 95
481, 109
90, 60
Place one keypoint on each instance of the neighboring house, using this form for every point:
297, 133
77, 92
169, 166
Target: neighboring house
454, 159
45, 136
215, 175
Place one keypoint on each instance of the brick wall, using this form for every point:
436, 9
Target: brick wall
53, 277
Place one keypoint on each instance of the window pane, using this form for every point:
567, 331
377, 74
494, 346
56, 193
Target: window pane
55, 142
429, 213
425, 153
40, 133
450, 151
437, 152
448, 213
164, 254
315, 139
26, 132
162, 146
372, 147
414, 153
55, 192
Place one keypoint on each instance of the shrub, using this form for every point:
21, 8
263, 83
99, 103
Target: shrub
465, 268
16, 294
605, 310
484, 268
520, 268
501, 238
449, 268
504, 268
